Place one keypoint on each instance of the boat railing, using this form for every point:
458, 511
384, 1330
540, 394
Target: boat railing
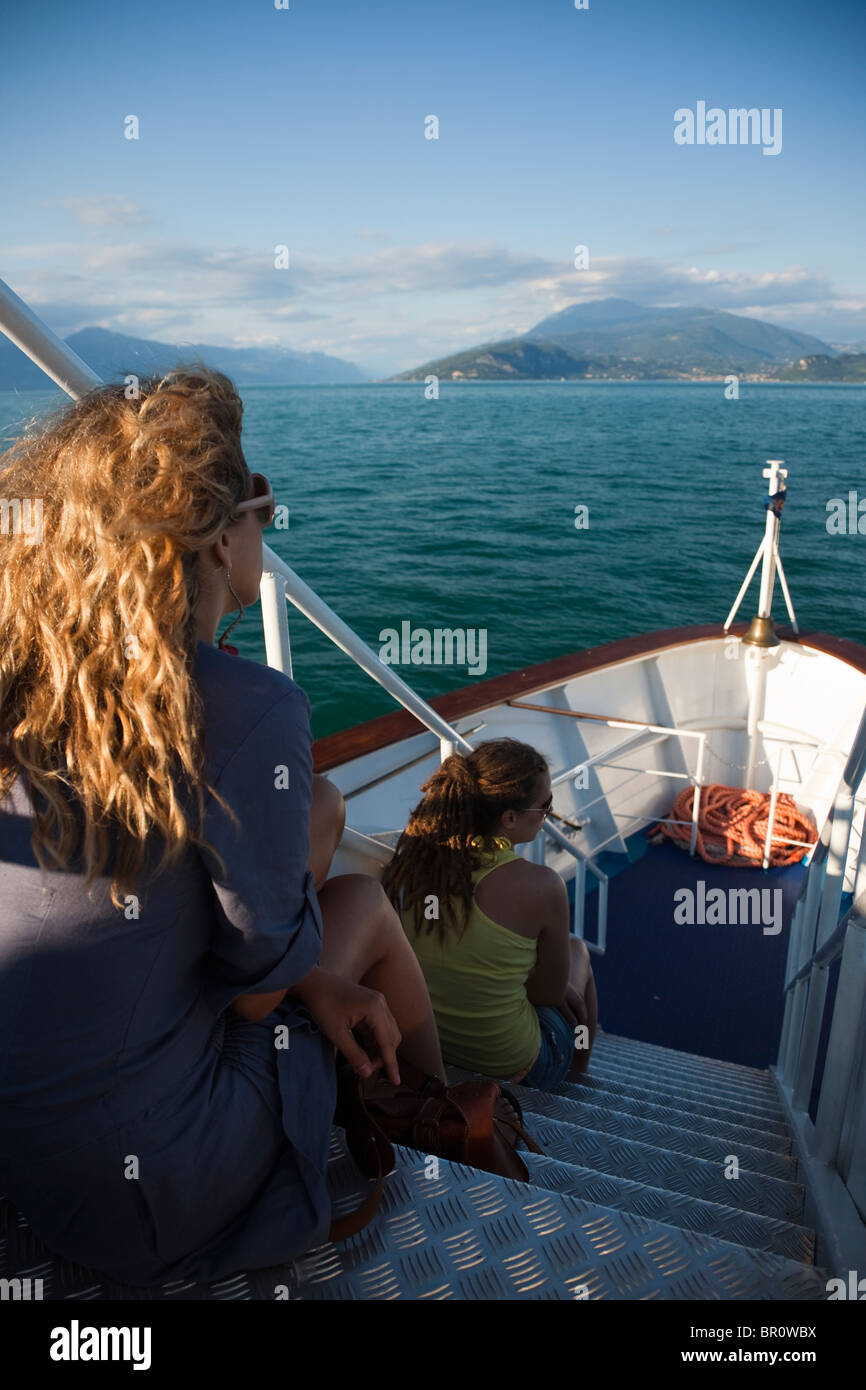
605, 759
279, 583
830, 1144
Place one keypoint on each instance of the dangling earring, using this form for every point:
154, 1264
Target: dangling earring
222, 644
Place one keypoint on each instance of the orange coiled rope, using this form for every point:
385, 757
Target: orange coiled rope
732, 826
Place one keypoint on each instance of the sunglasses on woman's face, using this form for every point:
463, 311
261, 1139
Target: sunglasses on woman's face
261, 502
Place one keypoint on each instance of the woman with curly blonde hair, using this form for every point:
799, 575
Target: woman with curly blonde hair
175, 970
513, 994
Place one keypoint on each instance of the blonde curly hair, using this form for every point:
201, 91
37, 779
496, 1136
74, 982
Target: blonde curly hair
97, 619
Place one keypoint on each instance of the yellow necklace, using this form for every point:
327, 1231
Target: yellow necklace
497, 841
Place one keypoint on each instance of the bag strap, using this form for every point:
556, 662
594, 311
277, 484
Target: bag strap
346, 1226
518, 1129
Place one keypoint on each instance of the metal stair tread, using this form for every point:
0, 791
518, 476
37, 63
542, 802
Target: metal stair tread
737, 1069
658, 1167
753, 1136
644, 1129
690, 1143
642, 1076
473, 1235
468, 1234
750, 1229
740, 1080
701, 1076
607, 1088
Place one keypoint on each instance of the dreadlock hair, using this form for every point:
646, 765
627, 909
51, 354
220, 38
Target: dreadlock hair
464, 799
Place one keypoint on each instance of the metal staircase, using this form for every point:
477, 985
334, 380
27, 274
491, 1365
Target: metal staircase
629, 1202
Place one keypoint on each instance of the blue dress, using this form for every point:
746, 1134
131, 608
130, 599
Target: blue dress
146, 1131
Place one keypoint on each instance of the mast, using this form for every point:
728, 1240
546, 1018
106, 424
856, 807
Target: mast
760, 639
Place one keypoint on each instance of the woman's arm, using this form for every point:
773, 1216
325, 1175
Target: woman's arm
547, 982
339, 1007
327, 821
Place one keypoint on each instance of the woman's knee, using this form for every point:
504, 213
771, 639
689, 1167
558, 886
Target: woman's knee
359, 896
328, 812
327, 822
360, 924
581, 963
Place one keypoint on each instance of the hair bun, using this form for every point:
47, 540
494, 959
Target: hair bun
458, 769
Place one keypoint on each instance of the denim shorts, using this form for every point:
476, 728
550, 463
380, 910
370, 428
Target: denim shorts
550, 1068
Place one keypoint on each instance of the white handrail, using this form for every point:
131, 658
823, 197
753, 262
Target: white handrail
812, 948
307, 601
43, 347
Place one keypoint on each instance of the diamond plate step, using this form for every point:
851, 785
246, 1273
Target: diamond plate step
714, 1148
737, 1070
576, 1108
604, 1067
674, 1208
759, 1085
678, 1172
470, 1235
703, 1077
606, 1091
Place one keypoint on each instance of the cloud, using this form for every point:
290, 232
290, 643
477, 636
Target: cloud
104, 210
388, 307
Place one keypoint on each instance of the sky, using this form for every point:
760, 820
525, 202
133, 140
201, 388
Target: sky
304, 128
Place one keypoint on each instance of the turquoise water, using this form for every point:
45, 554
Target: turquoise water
459, 513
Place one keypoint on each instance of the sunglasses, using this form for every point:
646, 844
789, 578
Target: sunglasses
261, 502
545, 808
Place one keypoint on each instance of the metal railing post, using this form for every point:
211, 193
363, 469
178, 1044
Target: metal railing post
696, 802
809, 919
794, 937
842, 1044
275, 622
580, 899
837, 858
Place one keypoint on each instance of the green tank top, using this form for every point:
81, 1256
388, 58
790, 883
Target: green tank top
477, 985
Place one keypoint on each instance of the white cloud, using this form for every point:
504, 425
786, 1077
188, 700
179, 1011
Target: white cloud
106, 210
392, 306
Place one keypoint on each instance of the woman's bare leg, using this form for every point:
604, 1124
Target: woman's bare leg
327, 822
364, 941
583, 1001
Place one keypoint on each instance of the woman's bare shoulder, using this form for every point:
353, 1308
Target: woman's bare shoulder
522, 875
517, 893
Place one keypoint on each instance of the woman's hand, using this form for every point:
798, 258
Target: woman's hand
339, 1007
574, 1008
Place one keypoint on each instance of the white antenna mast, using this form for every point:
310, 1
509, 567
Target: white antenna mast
761, 631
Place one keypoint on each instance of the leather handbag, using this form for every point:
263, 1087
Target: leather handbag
476, 1122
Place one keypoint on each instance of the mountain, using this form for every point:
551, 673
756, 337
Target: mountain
848, 366
615, 338
114, 355
684, 339
520, 359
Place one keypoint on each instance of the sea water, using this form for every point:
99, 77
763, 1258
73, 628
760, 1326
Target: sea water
552, 517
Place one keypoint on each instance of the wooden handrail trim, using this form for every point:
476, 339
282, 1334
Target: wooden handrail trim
335, 749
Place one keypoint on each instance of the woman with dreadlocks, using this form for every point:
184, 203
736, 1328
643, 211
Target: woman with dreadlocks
513, 993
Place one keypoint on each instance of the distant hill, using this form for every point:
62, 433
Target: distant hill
114, 355
848, 366
707, 339
614, 338
521, 359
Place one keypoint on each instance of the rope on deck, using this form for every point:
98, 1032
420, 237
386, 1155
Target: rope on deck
732, 826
